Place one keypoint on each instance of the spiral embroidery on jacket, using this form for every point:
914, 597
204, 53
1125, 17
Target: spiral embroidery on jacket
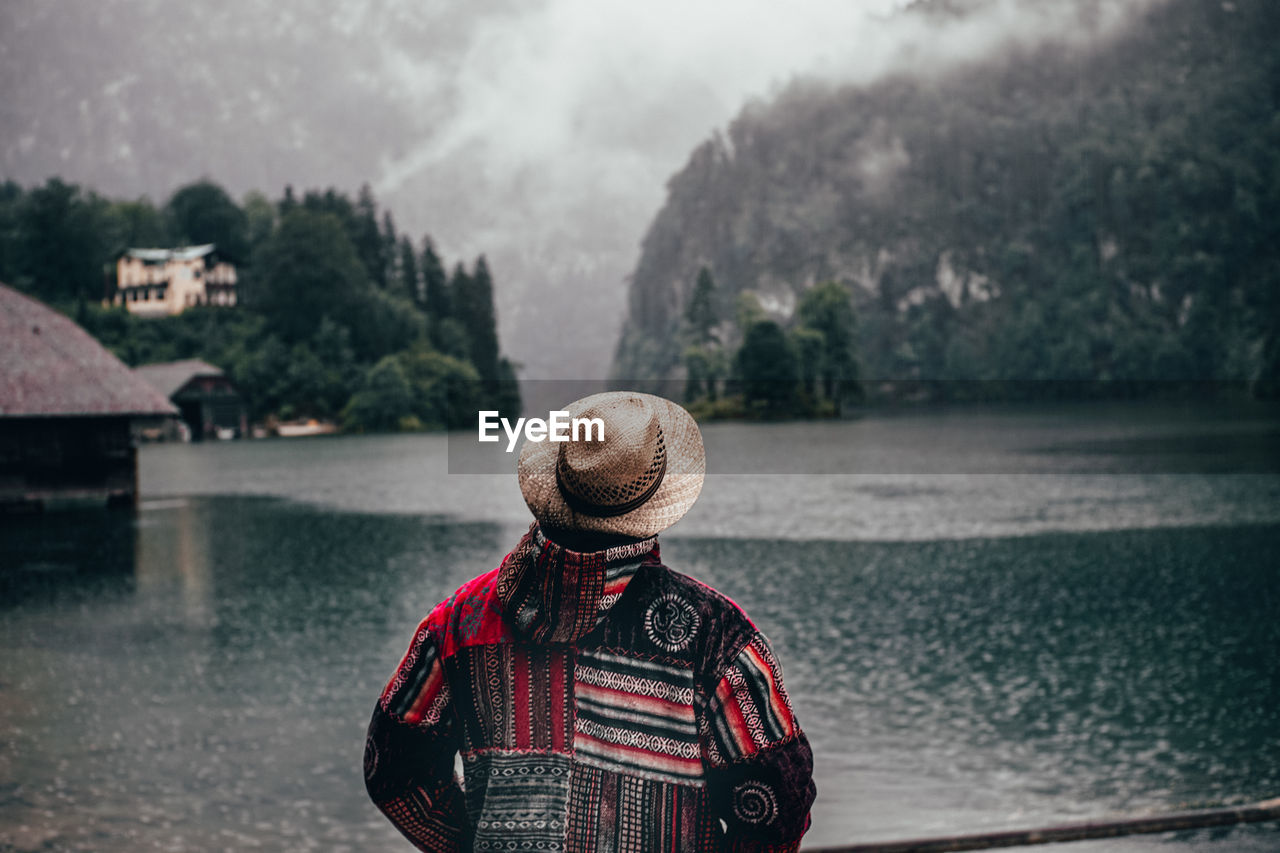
671, 623
370, 757
754, 802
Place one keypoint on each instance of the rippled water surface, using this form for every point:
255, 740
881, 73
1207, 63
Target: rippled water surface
1072, 629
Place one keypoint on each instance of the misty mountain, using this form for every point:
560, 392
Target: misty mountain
537, 133
1086, 208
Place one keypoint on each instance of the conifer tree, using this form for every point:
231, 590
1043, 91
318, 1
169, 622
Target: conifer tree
367, 238
456, 292
507, 399
390, 249
203, 213
827, 308
481, 322
766, 367
700, 313
410, 283
435, 284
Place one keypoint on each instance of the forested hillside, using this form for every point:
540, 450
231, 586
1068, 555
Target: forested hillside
1077, 210
339, 316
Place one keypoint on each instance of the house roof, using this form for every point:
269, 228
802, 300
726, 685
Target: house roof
51, 366
184, 253
169, 377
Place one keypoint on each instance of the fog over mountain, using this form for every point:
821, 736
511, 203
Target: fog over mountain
541, 134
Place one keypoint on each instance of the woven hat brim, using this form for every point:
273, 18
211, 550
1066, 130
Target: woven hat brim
681, 485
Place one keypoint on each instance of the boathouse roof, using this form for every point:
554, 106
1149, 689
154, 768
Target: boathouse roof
169, 377
49, 366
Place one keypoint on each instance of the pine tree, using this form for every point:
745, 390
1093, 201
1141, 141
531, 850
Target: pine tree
410, 284
766, 367
390, 249
507, 399
203, 213
367, 238
828, 309
435, 284
457, 293
481, 322
700, 313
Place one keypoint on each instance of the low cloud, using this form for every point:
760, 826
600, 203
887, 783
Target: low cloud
568, 117
539, 133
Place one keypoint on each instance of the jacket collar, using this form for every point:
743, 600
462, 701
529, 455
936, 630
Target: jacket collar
553, 595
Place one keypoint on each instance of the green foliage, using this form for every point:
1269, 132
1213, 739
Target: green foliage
383, 401
473, 308
730, 407
827, 310
697, 368
134, 224
747, 310
435, 291
382, 324
57, 242
203, 213
504, 395
305, 271
446, 391
766, 369
310, 325
418, 388
260, 220
700, 313
367, 239
389, 250
809, 345
408, 284
807, 371
451, 338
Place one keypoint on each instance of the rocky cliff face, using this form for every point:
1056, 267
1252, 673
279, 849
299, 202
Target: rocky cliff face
1085, 208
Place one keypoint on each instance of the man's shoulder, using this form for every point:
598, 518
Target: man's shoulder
471, 615
673, 616
668, 581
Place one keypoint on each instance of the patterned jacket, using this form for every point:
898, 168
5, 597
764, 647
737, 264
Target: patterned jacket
599, 701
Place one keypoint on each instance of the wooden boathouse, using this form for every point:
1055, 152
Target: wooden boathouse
209, 402
67, 412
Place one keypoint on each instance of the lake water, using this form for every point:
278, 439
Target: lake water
988, 618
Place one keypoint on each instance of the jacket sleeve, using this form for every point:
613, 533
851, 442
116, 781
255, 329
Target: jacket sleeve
409, 753
759, 765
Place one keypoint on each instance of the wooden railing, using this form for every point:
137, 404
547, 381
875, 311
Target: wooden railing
1172, 822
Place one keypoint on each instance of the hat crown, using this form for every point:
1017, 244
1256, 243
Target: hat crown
637, 479
619, 473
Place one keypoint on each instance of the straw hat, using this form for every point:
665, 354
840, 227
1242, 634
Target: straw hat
640, 479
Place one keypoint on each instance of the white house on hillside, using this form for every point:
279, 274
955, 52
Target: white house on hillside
157, 282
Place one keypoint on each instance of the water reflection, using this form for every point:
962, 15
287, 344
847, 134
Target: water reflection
199, 676
65, 555
172, 561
